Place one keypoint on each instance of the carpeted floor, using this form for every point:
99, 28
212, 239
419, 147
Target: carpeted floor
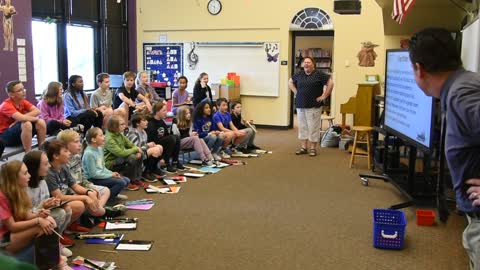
280, 211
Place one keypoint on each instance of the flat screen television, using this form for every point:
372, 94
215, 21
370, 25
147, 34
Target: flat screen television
408, 111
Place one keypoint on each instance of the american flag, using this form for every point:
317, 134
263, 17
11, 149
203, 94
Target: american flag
400, 9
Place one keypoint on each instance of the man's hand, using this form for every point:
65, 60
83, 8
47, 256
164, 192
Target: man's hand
116, 175
473, 192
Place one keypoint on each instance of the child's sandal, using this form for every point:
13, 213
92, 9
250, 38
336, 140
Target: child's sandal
313, 152
301, 151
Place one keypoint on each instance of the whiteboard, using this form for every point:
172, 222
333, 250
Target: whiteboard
258, 76
470, 46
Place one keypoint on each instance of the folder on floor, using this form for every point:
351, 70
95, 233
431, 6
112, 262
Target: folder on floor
121, 225
137, 245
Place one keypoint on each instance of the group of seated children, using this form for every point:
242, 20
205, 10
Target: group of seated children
88, 178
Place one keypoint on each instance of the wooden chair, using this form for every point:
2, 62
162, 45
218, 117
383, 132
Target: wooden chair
367, 131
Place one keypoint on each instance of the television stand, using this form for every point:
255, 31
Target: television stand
409, 193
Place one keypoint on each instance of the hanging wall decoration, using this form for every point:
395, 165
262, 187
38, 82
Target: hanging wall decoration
192, 57
8, 11
272, 52
366, 56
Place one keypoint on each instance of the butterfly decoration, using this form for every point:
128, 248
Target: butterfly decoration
272, 52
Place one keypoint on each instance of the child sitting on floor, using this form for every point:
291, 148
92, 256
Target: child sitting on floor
241, 124
223, 122
37, 165
121, 155
203, 125
72, 140
62, 185
189, 138
151, 152
93, 163
18, 225
159, 132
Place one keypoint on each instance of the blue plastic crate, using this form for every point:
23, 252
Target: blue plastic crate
388, 228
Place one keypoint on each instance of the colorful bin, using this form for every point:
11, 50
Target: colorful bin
388, 228
425, 217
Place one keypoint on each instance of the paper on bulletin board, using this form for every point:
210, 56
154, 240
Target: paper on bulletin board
21, 50
20, 42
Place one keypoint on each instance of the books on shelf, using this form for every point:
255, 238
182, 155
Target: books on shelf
316, 52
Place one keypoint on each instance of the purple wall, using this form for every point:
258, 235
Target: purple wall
22, 29
132, 34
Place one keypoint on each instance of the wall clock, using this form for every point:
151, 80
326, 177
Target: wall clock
214, 7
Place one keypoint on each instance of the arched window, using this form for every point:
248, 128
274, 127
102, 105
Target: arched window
311, 19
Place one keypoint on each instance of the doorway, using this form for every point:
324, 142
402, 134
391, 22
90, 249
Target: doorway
317, 44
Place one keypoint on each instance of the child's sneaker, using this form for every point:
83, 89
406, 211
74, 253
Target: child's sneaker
158, 173
149, 177
224, 155
67, 241
236, 151
65, 252
122, 197
180, 166
170, 169
207, 162
77, 228
216, 157
133, 187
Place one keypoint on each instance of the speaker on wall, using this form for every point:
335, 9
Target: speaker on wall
347, 6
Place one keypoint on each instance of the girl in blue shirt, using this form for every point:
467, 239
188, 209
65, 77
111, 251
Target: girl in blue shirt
203, 125
93, 163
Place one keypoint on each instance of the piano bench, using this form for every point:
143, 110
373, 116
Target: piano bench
367, 131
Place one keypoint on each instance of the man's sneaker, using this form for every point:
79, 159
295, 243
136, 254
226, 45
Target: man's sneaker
207, 162
65, 252
180, 166
133, 187
224, 155
243, 150
67, 241
77, 228
122, 197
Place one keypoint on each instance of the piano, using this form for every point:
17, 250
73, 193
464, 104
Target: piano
361, 105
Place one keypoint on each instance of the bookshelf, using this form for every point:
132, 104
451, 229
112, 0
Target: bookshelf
322, 57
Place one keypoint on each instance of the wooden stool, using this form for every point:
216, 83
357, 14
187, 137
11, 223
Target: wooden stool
367, 131
326, 118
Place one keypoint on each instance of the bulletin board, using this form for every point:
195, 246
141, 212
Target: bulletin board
164, 62
257, 64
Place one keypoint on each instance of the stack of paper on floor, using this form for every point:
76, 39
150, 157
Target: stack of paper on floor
163, 190
177, 178
194, 174
209, 170
121, 225
81, 263
143, 204
243, 155
139, 245
104, 240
